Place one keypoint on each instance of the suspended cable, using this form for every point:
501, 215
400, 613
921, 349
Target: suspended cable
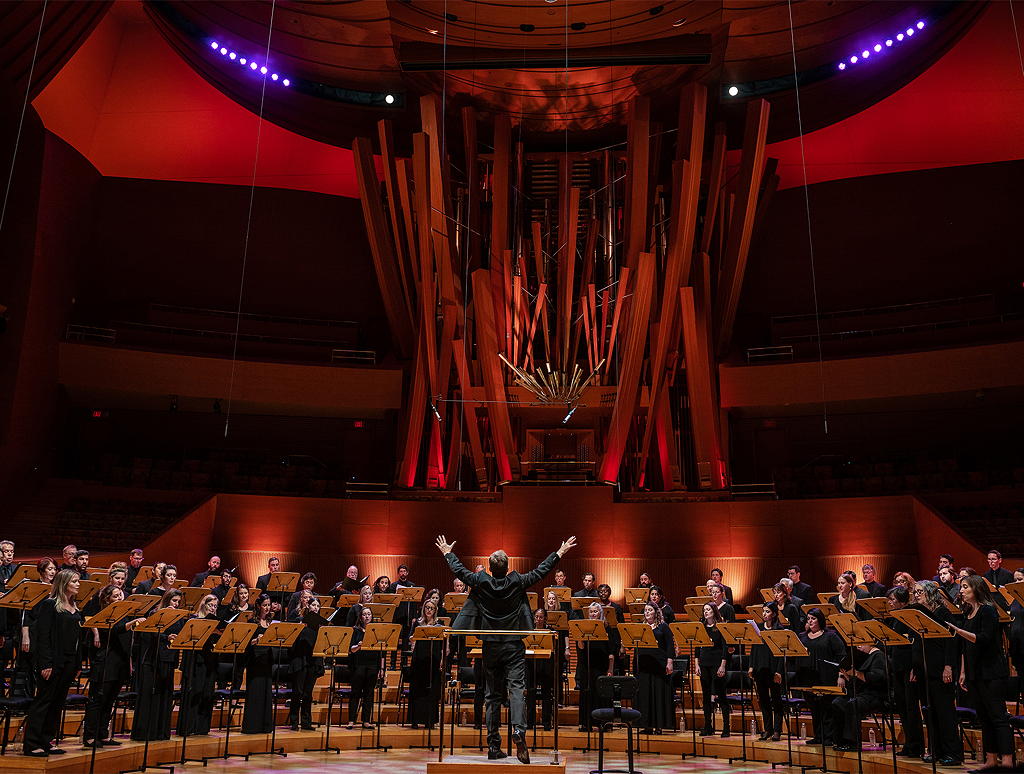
248, 224
1016, 37
807, 208
21, 118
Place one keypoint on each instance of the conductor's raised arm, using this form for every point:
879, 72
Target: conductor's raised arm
453, 561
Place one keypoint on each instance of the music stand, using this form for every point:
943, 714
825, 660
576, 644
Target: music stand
215, 580
827, 609
695, 612
190, 596
331, 643
453, 601
156, 624
432, 635
740, 634
532, 599
87, 589
636, 636
579, 604
278, 635
611, 616
281, 584
822, 691
845, 625
877, 607
693, 635
784, 643
25, 596
385, 598
23, 572
638, 595
768, 595
887, 638
233, 640
146, 573
824, 597
381, 637
539, 644
383, 612
190, 640
926, 629
584, 632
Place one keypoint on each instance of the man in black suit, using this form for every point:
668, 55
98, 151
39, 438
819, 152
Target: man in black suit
874, 588
800, 589
498, 601
588, 590
135, 560
945, 560
718, 577
212, 568
995, 574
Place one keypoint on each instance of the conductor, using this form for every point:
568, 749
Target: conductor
497, 600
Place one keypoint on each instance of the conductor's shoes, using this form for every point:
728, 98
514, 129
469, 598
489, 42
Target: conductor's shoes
494, 754
522, 751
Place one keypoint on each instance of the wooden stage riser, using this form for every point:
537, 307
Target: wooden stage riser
110, 760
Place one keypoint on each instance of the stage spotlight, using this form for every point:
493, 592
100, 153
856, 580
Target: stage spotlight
920, 25
252, 65
733, 91
878, 47
215, 45
900, 36
243, 60
390, 99
286, 82
273, 77
888, 42
223, 51
569, 415
865, 53
232, 56
842, 65
263, 70
853, 60
436, 412
910, 31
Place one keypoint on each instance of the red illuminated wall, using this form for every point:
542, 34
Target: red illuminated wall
678, 543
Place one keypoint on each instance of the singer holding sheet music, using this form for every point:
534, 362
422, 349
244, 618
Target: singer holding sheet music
498, 600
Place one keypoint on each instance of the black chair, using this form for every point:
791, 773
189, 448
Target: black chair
8, 706
616, 689
967, 717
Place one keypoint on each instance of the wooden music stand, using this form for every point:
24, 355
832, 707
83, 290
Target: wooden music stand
881, 633
768, 595
280, 585
562, 593
583, 632
1013, 592
740, 634
25, 596
191, 639
611, 616
190, 595
453, 601
826, 609
383, 612
233, 641
579, 604
695, 612
754, 612
214, 580
180, 583
877, 607
110, 615
844, 623
145, 573
86, 591
431, 635
785, 644
688, 636
638, 595
23, 572
381, 637
698, 600
278, 635
533, 599
824, 597
332, 642
558, 619
384, 598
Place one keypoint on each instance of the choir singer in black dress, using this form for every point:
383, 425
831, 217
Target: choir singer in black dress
498, 601
594, 659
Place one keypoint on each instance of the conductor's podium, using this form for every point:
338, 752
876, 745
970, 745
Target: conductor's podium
478, 764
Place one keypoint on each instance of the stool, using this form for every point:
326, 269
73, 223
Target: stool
615, 688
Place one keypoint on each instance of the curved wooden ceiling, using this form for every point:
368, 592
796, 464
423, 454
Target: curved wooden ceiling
353, 45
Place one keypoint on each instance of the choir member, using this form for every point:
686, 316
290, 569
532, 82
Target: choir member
350, 584
47, 570
402, 581
866, 687
425, 678
221, 589
945, 560
718, 577
306, 583
109, 669
168, 575
589, 590
273, 565
241, 602
727, 611
67, 555
766, 671
7, 564
948, 583
845, 601
594, 659
905, 691
458, 586
82, 564
299, 604
935, 662
654, 671
964, 572
871, 584
784, 604
801, 590
903, 579
796, 600
135, 559
9, 619
56, 635
1016, 629
996, 574
434, 595
712, 665
381, 585
551, 604
117, 575
645, 581
559, 578
355, 613
657, 598
538, 679
199, 677
825, 650
303, 667
984, 671
156, 677
212, 568
258, 716
146, 586
366, 671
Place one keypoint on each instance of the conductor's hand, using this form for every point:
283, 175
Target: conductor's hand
443, 545
566, 545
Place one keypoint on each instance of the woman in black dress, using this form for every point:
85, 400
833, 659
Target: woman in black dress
156, 678
825, 651
906, 692
425, 678
845, 600
657, 597
593, 660
366, 670
766, 671
165, 581
199, 677
654, 673
538, 679
56, 634
984, 671
712, 663
303, 668
258, 717
784, 605
1016, 630
47, 569
381, 585
109, 670
355, 613
938, 681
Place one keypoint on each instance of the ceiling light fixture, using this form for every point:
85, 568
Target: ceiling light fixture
879, 48
733, 91
679, 22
